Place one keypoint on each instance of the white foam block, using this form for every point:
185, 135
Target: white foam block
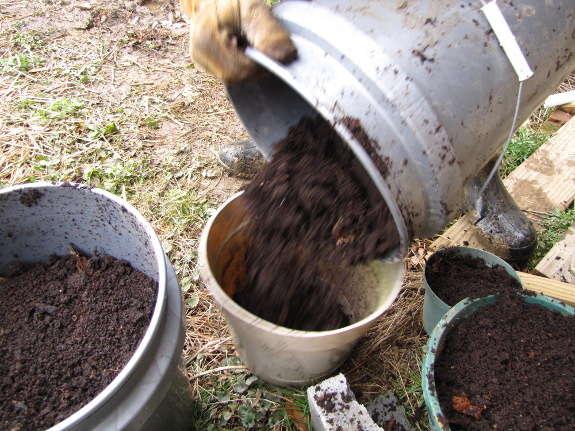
333, 407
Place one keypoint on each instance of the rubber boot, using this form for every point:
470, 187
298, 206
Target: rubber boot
500, 225
241, 159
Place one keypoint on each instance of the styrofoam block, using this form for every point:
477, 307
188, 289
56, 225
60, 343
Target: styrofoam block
333, 407
387, 411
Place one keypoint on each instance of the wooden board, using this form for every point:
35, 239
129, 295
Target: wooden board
544, 182
559, 263
555, 289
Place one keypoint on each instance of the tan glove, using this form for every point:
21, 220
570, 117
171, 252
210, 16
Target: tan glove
221, 29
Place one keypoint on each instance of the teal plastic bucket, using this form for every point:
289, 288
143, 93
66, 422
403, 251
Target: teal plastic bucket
434, 308
456, 314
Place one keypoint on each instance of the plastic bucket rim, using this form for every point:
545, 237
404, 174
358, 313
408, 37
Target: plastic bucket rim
229, 305
159, 308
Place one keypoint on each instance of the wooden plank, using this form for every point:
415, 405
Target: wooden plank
555, 289
559, 263
544, 182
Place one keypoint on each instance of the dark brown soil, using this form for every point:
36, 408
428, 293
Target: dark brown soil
30, 197
510, 366
67, 327
314, 210
453, 277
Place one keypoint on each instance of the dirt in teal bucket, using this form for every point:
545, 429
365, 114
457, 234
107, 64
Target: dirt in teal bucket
509, 366
454, 276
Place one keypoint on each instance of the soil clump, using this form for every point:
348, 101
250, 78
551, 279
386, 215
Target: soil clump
67, 328
315, 214
454, 277
509, 366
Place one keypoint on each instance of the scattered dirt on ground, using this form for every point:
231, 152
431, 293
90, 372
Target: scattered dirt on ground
510, 366
314, 210
67, 327
454, 277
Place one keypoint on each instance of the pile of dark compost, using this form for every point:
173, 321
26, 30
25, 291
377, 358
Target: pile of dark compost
509, 366
315, 213
67, 328
454, 277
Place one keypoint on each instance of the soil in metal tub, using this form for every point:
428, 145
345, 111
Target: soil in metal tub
67, 328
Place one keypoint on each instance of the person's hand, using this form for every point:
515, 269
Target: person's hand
221, 29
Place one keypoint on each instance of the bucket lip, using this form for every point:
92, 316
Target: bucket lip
228, 303
460, 311
157, 315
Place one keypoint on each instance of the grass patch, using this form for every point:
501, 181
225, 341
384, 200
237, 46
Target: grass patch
184, 209
239, 400
20, 63
554, 224
524, 143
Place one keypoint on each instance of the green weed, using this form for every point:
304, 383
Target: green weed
111, 175
240, 400
184, 209
64, 108
32, 39
522, 145
47, 110
84, 73
243, 401
554, 224
19, 63
101, 131
154, 123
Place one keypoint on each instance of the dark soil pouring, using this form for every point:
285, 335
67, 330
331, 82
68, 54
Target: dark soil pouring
509, 366
454, 277
314, 211
67, 328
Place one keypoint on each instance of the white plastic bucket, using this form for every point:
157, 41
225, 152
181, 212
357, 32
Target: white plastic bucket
280, 355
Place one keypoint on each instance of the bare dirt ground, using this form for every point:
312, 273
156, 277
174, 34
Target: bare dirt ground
129, 52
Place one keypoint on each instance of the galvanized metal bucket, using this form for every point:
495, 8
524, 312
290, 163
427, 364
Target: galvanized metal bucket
425, 83
150, 392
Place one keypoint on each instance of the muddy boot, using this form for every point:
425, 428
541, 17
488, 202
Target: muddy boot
501, 227
242, 159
